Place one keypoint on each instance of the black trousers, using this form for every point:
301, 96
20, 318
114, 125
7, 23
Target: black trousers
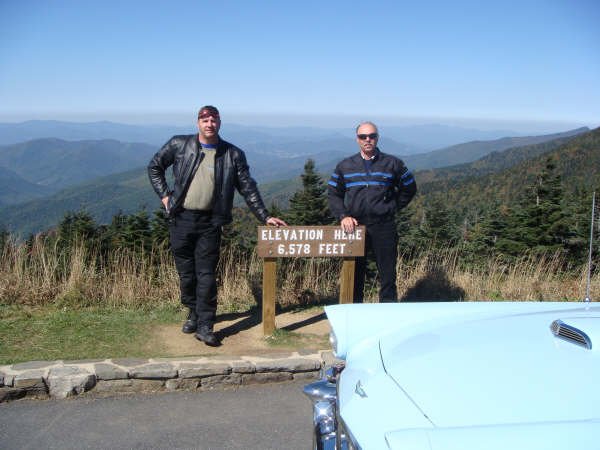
195, 243
382, 242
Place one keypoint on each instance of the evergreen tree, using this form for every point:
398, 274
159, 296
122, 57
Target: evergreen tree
4, 236
514, 239
309, 206
137, 233
438, 226
580, 213
275, 210
555, 220
75, 228
481, 240
540, 222
159, 229
241, 232
407, 232
115, 232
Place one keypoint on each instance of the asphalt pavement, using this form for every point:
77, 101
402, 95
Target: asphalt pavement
272, 416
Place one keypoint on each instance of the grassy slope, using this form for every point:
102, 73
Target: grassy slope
49, 333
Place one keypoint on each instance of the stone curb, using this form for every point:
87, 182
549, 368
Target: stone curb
62, 379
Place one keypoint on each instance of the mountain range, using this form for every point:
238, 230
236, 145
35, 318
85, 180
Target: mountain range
500, 178
416, 138
55, 163
30, 172
471, 151
15, 189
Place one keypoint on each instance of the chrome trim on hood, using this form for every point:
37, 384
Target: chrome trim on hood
570, 334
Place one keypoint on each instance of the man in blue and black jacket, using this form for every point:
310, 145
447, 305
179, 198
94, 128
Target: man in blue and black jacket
367, 189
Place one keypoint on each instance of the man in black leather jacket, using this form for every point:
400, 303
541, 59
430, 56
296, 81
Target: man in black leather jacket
367, 189
206, 171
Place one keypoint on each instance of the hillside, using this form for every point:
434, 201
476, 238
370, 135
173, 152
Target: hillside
103, 198
57, 163
492, 163
13, 133
471, 183
472, 151
577, 162
273, 153
457, 154
435, 136
14, 189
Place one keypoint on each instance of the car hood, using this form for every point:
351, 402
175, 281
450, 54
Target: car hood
500, 369
582, 435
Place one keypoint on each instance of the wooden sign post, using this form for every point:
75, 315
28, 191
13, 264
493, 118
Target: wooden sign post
306, 242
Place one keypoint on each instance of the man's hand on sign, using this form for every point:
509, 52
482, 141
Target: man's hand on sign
348, 224
274, 221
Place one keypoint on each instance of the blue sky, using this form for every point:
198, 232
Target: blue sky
276, 61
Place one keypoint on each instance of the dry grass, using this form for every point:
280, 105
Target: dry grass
441, 275
44, 276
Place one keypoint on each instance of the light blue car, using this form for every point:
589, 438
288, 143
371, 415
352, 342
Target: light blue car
461, 376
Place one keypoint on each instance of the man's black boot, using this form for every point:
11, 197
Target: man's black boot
206, 335
191, 323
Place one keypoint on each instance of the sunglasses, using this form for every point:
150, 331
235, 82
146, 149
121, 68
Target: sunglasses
363, 137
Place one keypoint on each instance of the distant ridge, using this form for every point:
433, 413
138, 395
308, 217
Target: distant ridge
102, 197
13, 133
494, 162
471, 151
434, 136
15, 189
128, 191
279, 153
414, 138
456, 154
477, 185
57, 163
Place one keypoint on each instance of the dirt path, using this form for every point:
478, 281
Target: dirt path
242, 334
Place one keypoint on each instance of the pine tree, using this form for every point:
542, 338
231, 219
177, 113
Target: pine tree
407, 232
159, 229
115, 234
137, 233
275, 210
540, 222
515, 239
75, 228
241, 232
580, 213
309, 205
438, 227
4, 237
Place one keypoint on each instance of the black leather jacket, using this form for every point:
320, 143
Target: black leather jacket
184, 153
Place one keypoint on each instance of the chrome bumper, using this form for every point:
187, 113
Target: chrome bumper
323, 395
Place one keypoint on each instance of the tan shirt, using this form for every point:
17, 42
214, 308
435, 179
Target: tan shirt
200, 193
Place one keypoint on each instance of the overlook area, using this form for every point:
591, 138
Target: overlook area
476, 231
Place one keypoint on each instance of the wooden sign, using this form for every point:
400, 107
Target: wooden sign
310, 241
302, 242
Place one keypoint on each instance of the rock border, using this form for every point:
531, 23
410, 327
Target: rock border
63, 379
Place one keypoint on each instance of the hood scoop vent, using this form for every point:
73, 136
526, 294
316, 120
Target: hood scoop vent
571, 334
